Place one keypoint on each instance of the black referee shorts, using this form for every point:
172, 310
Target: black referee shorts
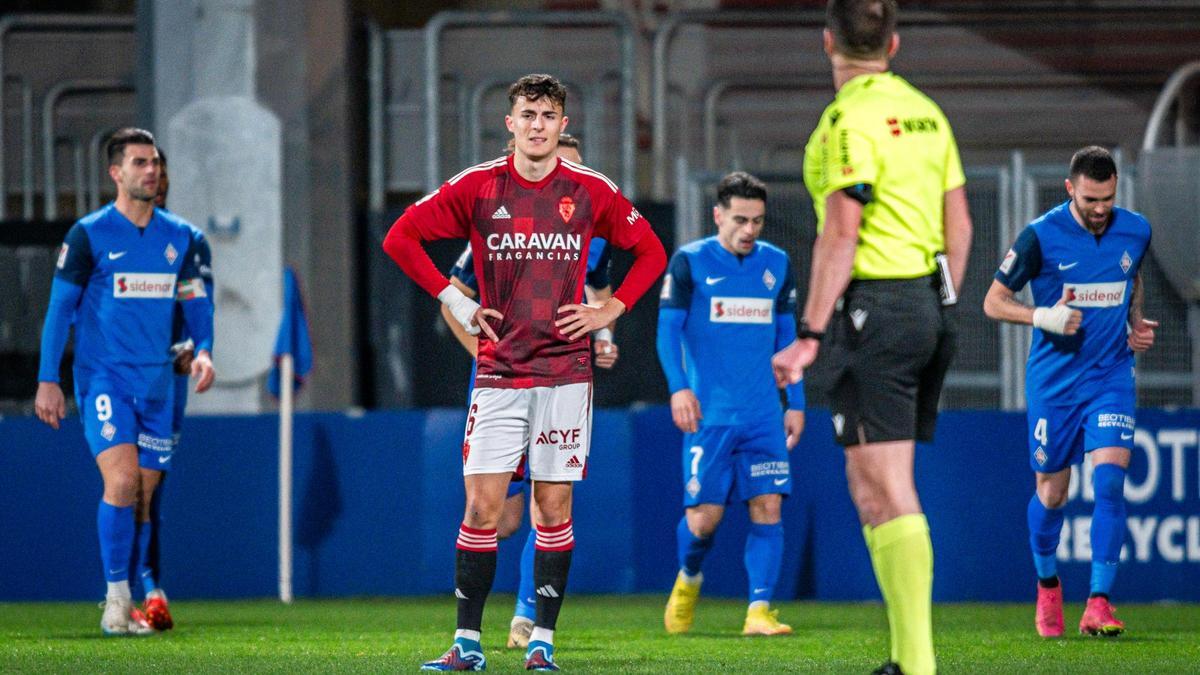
890, 344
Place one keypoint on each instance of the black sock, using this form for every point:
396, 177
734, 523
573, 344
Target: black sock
474, 572
1052, 582
550, 570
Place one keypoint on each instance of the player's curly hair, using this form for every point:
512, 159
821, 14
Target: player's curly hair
740, 184
115, 147
862, 29
537, 85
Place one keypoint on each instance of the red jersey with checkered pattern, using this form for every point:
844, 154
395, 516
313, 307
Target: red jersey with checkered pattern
529, 242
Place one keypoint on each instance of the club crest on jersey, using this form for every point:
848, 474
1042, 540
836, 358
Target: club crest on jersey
1126, 262
171, 254
62, 255
769, 280
1040, 456
566, 208
693, 486
108, 431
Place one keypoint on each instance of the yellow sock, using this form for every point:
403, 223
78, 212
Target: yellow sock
902, 556
887, 605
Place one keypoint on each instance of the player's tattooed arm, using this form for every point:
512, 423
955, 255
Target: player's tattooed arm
1001, 304
1141, 329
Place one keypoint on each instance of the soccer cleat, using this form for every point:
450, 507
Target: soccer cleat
157, 613
1098, 619
462, 655
540, 656
120, 619
1049, 617
681, 606
138, 624
889, 668
518, 632
760, 620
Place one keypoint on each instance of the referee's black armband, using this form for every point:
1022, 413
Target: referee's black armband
861, 193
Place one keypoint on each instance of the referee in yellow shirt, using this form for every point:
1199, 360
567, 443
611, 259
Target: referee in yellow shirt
887, 185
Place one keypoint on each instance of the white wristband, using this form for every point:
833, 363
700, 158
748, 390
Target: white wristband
1052, 319
602, 335
461, 307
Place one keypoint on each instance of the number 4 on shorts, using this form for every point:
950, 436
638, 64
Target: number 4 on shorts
1039, 431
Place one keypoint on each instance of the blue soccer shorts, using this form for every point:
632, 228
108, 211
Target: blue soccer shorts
722, 464
1059, 436
111, 417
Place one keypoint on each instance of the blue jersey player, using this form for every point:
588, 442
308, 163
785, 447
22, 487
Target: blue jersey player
1081, 260
120, 273
598, 289
147, 570
728, 304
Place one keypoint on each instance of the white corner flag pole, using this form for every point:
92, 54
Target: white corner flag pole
286, 378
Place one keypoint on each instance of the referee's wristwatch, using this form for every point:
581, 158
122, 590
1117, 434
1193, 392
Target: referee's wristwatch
803, 332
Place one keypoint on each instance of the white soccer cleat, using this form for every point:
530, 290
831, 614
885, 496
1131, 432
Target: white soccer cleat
115, 620
119, 619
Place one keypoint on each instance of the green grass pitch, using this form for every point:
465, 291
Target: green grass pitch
596, 634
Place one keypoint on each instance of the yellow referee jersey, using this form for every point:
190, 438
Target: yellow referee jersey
880, 131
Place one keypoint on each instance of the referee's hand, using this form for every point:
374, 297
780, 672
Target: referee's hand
789, 364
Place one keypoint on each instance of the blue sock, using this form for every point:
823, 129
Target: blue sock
1108, 526
1045, 528
526, 599
763, 556
145, 531
115, 527
692, 549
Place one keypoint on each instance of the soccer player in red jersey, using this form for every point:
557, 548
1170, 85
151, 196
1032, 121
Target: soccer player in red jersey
529, 218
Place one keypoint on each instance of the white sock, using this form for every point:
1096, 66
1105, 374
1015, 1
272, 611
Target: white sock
468, 634
119, 590
540, 634
760, 603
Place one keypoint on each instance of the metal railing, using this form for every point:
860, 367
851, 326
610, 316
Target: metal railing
39, 23
444, 21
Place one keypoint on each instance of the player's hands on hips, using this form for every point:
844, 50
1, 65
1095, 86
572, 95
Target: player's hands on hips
793, 425
790, 362
202, 371
575, 321
685, 411
1059, 319
606, 353
50, 405
1141, 335
479, 320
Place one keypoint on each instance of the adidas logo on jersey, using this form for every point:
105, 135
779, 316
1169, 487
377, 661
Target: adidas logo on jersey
574, 463
501, 213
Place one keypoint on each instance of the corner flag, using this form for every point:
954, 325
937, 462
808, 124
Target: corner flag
293, 337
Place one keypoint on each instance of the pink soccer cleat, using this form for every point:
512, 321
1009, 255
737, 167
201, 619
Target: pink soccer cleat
1098, 619
1049, 618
